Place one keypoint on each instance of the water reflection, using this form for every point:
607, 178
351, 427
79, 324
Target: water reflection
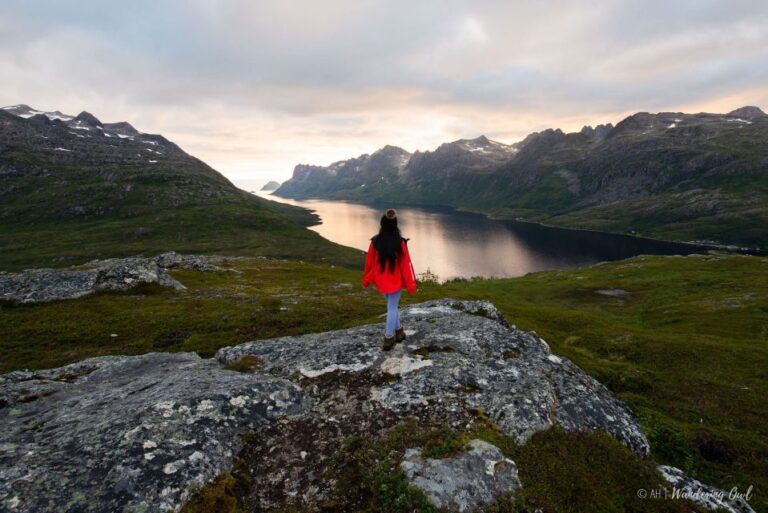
456, 244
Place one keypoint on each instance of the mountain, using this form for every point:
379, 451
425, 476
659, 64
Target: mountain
73, 188
381, 172
383, 166
271, 186
26, 112
749, 112
668, 175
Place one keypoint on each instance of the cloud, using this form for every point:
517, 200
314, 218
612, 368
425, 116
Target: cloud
254, 87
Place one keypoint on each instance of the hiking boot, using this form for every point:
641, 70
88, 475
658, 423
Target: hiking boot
389, 343
399, 335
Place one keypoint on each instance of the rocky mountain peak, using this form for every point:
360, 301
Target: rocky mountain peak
84, 121
481, 145
599, 132
481, 141
19, 109
391, 150
550, 134
122, 128
602, 131
635, 122
25, 111
88, 119
748, 112
387, 157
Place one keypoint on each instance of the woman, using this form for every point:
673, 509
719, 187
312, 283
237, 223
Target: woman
388, 266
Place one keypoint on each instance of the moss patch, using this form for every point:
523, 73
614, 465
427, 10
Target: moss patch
246, 363
370, 474
426, 350
587, 471
510, 354
219, 496
469, 388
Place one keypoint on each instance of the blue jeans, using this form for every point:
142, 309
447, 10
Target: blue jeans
393, 317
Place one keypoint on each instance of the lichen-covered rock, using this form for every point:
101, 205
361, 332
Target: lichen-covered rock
462, 355
173, 260
114, 274
702, 494
44, 285
464, 482
143, 433
130, 434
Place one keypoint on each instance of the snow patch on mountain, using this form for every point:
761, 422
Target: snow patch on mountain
83, 121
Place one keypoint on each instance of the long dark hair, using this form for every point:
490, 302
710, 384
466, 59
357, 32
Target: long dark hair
388, 242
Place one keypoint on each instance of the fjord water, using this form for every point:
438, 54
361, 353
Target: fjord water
455, 244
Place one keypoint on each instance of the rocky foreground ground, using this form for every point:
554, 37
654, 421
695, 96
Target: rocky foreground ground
144, 433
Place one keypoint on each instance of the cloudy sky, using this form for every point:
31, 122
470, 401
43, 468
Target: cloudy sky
255, 87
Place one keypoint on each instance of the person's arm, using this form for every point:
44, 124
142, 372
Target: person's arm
370, 261
406, 269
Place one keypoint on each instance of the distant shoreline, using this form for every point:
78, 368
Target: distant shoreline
708, 246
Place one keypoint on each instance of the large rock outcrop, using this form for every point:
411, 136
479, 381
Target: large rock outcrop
143, 433
116, 274
125, 433
459, 354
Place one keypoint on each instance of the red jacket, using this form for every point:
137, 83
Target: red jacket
389, 281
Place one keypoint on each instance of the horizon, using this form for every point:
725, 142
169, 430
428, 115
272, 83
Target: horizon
254, 89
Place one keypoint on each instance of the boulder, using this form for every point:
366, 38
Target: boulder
173, 260
704, 495
464, 482
45, 285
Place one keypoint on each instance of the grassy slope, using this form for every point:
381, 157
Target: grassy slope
708, 213
687, 348
247, 228
706, 205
